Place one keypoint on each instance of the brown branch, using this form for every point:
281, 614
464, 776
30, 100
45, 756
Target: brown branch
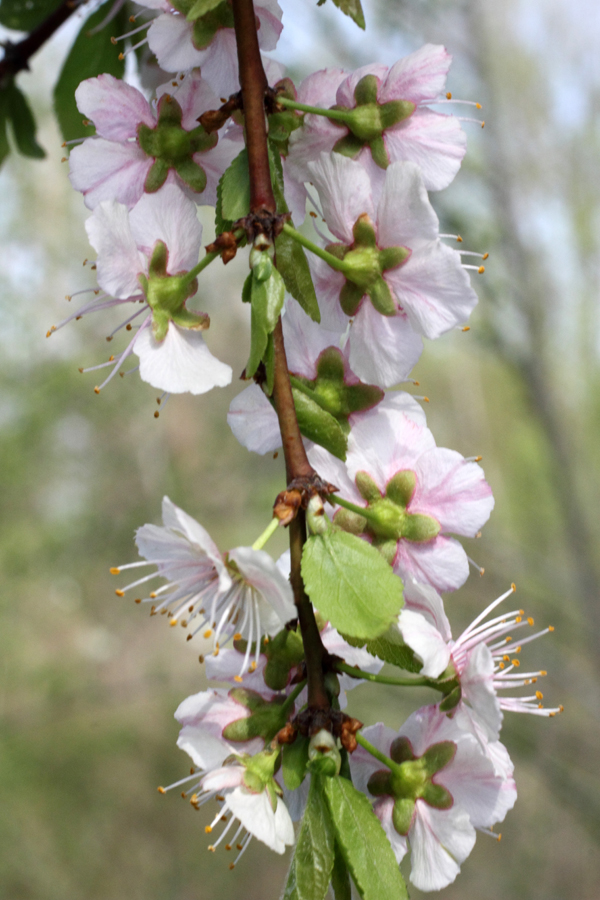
17, 56
254, 84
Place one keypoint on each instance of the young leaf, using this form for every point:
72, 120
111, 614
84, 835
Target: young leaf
200, 8
267, 301
293, 265
312, 865
391, 648
293, 762
351, 584
23, 123
90, 55
340, 877
234, 191
364, 845
353, 9
24, 15
318, 425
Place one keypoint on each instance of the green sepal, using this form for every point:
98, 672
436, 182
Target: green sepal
379, 152
364, 232
390, 647
90, 55
318, 425
382, 298
366, 90
267, 301
156, 177
401, 487
322, 765
363, 843
192, 174
313, 860
206, 27
349, 521
350, 296
367, 488
402, 814
293, 764
22, 122
351, 584
266, 717
284, 652
349, 145
451, 700
393, 257
395, 111
420, 528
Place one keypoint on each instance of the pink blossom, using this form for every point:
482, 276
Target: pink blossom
209, 42
435, 142
413, 494
140, 146
397, 280
441, 789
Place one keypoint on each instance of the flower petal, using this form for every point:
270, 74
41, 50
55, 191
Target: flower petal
119, 261
115, 107
170, 217
104, 170
180, 363
254, 421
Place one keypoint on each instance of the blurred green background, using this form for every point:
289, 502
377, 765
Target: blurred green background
89, 683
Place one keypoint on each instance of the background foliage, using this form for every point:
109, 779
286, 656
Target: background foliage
89, 684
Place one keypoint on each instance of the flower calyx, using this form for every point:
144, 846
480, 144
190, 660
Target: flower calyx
387, 518
363, 266
259, 771
368, 120
166, 295
172, 147
411, 779
266, 718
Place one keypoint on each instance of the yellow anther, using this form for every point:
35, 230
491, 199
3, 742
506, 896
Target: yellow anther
253, 665
120, 593
530, 621
485, 256
425, 399
153, 596
501, 665
540, 705
561, 708
96, 390
237, 636
208, 829
211, 848
467, 328
113, 41
173, 622
478, 458
266, 639
201, 659
516, 663
207, 633
115, 571
506, 657
183, 795
63, 159
220, 798
513, 586
539, 695
152, 610
478, 105
483, 124
184, 623
239, 846
481, 270
223, 818
519, 619
543, 672
156, 414
228, 846
161, 790
499, 838
459, 239
121, 57
189, 637
238, 678
231, 866
448, 96
191, 608
551, 715
518, 650
138, 599
550, 627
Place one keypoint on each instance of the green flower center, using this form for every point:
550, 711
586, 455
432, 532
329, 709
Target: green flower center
166, 295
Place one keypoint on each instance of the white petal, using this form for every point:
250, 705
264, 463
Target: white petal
441, 563
398, 347
206, 750
435, 142
256, 814
405, 214
404, 403
254, 421
476, 682
170, 39
180, 363
345, 192
115, 107
104, 170
426, 641
422, 598
305, 340
177, 519
440, 840
119, 261
419, 77
261, 572
168, 216
453, 491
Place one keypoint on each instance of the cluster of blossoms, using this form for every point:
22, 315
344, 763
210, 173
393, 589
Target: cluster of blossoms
362, 149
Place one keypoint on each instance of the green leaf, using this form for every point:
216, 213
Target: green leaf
200, 8
90, 55
318, 425
234, 191
24, 15
351, 584
267, 301
340, 877
293, 265
312, 865
353, 9
293, 764
23, 123
363, 843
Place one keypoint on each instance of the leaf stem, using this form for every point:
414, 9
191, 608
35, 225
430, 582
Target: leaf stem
363, 511
384, 679
269, 531
337, 114
329, 258
193, 273
370, 748
289, 702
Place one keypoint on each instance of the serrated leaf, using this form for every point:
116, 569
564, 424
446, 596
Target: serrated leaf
293, 265
312, 864
293, 762
364, 845
90, 55
340, 877
23, 123
24, 15
353, 9
351, 584
267, 301
234, 193
318, 425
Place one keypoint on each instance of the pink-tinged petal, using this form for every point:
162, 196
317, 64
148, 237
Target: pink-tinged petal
213, 710
419, 77
194, 95
274, 70
440, 840
268, 13
442, 563
170, 39
398, 347
226, 666
405, 216
335, 472
180, 363
383, 808
385, 442
400, 401
104, 170
176, 519
345, 92
474, 785
119, 261
220, 63
262, 573
254, 421
320, 88
254, 811
170, 217
295, 193
453, 491
305, 340
328, 284
115, 108
432, 140
426, 641
308, 143
477, 687
225, 778
434, 289
206, 750
345, 192
422, 598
